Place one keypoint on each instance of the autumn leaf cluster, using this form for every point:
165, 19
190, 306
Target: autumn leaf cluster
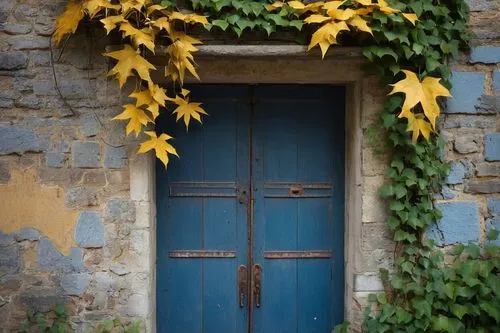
141, 23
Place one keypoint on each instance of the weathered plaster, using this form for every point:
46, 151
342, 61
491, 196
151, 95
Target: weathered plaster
27, 203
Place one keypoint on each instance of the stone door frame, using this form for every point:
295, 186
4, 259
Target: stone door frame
281, 64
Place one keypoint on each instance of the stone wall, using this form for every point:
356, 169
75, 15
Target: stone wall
69, 231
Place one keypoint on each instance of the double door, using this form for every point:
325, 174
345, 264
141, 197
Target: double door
250, 218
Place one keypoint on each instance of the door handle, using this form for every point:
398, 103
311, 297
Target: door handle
257, 286
242, 284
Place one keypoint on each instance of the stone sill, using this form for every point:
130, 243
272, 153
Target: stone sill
260, 51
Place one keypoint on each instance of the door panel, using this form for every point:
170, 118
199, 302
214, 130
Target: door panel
298, 141
260, 183
202, 227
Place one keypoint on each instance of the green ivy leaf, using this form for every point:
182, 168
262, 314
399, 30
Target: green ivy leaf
223, 24
493, 234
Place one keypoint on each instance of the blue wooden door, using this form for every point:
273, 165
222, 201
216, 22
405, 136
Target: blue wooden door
250, 219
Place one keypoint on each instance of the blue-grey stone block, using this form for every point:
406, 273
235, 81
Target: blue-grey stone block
13, 60
457, 173
50, 259
492, 146
485, 54
85, 154
27, 234
496, 80
121, 210
4, 172
89, 230
493, 223
9, 259
91, 126
448, 193
467, 89
6, 239
18, 139
482, 5
54, 160
75, 284
114, 158
460, 223
41, 301
493, 207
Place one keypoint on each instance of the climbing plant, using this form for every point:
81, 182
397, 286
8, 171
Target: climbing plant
409, 44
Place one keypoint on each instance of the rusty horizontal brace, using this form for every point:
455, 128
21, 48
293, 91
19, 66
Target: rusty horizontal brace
297, 254
202, 254
204, 189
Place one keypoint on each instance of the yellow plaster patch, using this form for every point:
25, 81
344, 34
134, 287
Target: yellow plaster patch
26, 203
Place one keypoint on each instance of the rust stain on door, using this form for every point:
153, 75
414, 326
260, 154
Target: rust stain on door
26, 203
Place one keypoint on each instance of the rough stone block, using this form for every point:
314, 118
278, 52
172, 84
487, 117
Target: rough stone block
114, 158
89, 230
460, 223
487, 169
104, 282
457, 174
85, 154
28, 43
75, 284
15, 28
488, 104
6, 239
467, 89
9, 259
466, 121
483, 186
6, 8
18, 139
91, 126
496, 80
136, 305
493, 207
492, 146
13, 60
466, 145
493, 223
370, 282
448, 193
80, 196
41, 301
27, 234
54, 159
50, 259
94, 178
485, 54
119, 269
4, 172
121, 210
482, 5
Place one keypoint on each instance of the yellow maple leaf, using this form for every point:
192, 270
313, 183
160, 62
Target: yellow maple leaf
424, 92
360, 24
187, 110
181, 56
188, 18
163, 23
67, 22
111, 22
132, 4
143, 36
94, 6
316, 18
160, 145
413, 18
419, 126
326, 35
136, 116
275, 5
128, 60
296, 4
384, 7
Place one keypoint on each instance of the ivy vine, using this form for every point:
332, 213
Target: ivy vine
409, 44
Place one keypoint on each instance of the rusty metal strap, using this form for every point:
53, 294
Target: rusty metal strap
297, 190
202, 254
297, 254
204, 189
